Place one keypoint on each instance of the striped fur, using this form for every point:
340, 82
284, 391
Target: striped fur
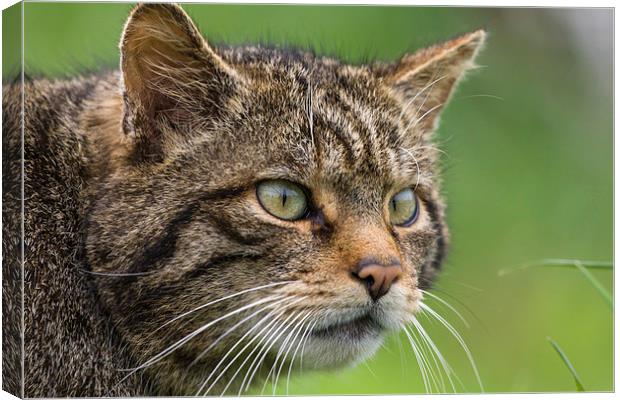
154, 172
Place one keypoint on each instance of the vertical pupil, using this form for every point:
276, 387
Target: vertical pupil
394, 204
284, 197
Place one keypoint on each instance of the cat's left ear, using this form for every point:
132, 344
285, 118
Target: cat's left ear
172, 79
424, 81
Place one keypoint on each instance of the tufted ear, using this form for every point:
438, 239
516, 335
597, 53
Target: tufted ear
425, 80
171, 78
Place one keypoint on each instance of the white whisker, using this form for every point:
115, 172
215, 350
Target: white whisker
410, 102
459, 339
292, 325
189, 337
297, 331
303, 347
417, 166
445, 303
264, 341
435, 373
230, 296
215, 342
446, 366
280, 309
273, 317
271, 342
421, 362
491, 96
417, 120
301, 341
432, 148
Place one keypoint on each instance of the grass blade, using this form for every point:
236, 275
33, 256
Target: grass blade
597, 285
559, 262
582, 266
568, 364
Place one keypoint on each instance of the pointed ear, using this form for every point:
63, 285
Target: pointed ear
425, 80
171, 78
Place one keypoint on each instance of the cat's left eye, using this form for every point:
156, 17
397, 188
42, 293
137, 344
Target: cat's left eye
282, 199
403, 208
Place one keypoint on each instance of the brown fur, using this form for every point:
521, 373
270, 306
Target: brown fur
149, 177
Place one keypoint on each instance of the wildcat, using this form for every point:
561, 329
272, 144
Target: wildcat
207, 218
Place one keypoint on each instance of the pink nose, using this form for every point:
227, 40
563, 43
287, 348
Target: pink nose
378, 278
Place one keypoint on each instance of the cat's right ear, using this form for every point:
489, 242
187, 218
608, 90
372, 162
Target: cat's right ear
425, 80
171, 78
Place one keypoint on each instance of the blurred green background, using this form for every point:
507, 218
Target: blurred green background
528, 171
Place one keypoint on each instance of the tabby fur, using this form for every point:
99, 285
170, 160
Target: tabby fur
140, 204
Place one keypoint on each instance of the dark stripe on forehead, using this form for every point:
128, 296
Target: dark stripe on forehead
364, 131
355, 109
377, 118
335, 131
341, 121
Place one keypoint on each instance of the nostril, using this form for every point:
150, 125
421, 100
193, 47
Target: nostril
368, 281
377, 278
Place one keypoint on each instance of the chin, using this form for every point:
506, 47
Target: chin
343, 345
339, 341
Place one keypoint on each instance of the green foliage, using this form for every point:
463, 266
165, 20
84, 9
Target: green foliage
595, 283
568, 364
582, 266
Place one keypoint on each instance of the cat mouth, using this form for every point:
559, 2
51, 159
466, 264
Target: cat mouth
357, 328
344, 338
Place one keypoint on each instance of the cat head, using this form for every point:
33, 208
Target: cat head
264, 199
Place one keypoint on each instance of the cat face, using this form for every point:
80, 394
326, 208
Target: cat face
268, 206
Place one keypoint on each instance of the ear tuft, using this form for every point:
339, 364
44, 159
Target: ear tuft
425, 80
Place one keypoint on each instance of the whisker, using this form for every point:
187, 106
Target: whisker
460, 302
413, 99
230, 296
429, 342
234, 327
187, 338
265, 350
417, 120
426, 350
417, 165
272, 315
303, 347
264, 340
257, 336
433, 148
445, 303
491, 96
297, 329
120, 274
421, 362
402, 359
301, 341
459, 339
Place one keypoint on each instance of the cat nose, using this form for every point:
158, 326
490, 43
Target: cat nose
377, 277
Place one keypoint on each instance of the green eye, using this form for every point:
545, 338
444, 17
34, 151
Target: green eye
403, 208
282, 199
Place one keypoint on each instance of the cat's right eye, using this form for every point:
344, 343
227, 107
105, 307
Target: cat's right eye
282, 199
403, 208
